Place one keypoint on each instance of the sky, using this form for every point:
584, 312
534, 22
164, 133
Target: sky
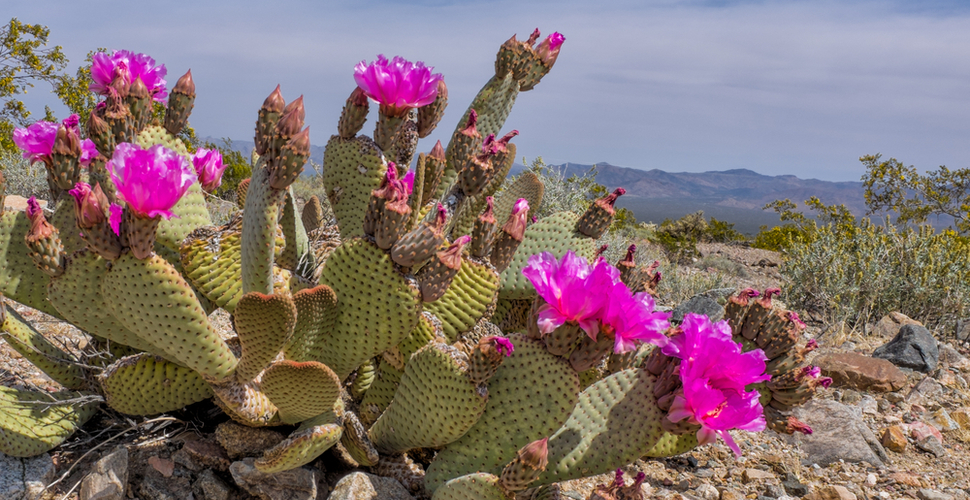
802, 88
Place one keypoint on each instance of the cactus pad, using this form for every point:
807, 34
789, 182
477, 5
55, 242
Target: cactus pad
435, 404
20, 279
259, 230
316, 311
352, 168
530, 382
526, 186
264, 324
32, 423
479, 486
144, 384
23, 338
471, 296
555, 233
375, 310
300, 390
314, 437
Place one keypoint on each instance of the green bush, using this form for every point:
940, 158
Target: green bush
777, 238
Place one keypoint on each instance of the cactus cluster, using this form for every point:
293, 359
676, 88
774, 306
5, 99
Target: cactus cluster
404, 333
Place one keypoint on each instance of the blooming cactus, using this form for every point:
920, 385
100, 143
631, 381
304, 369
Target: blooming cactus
631, 318
151, 181
37, 140
131, 66
398, 85
209, 167
714, 372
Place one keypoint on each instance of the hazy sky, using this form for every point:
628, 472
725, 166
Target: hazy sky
801, 88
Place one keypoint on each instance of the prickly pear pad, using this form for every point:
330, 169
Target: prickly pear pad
471, 296
480, 486
555, 233
145, 384
352, 168
300, 390
264, 323
29, 427
314, 437
377, 307
316, 311
435, 404
20, 279
530, 382
33, 346
526, 186
153, 300
259, 231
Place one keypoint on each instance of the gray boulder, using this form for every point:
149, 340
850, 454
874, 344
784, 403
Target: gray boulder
698, 304
839, 434
913, 347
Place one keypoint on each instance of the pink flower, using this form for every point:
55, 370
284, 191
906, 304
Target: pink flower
574, 291
408, 181
815, 374
631, 318
504, 346
548, 50
88, 152
133, 66
398, 85
33, 208
714, 372
150, 181
209, 167
114, 218
37, 140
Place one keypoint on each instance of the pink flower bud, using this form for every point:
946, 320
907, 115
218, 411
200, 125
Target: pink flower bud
209, 168
89, 205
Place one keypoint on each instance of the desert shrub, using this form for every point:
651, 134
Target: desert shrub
719, 231
680, 283
23, 179
776, 238
858, 273
723, 265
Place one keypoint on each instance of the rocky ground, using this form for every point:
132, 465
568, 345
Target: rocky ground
887, 428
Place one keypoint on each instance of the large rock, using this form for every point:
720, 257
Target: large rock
913, 347
295, 484
849, 369
698, 304
108, 479
363, 486
240, 441
889, 325
25, 478
839, 434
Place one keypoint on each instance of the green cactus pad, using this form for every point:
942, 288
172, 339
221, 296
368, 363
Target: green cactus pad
471, 296
528, 383
259, 230
425, 331
377, 307
296, 255
381, 392
145, 384
671, 445
314, 437
526, 186
555, 233
356, 442
615, 422
363, 379
473, 206
77, 296
352, 168
153, 300
67, 230
300, 390
264, 324
211, 260
246, 403
511, 315
316, 311
32, 423
57, 364
477, 486
435, 404
20, 279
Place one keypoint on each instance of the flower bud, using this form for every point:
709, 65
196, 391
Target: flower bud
89, 205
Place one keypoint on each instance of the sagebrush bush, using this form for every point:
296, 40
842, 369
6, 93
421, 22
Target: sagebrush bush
23, 179
858, 273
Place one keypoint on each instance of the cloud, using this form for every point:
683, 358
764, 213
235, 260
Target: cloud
800, 88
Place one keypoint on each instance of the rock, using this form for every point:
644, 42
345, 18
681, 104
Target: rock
927, 389
211, 487
155, 487
927, 494
869, 405
942, 421
894, 438
888, 326
25, 478
698, 304
363, 486
932, 445
963, 329
962, 418
795, 487
727, 494
163, 465
906, 478
295, 484
849, 369
752, 475
950, 356
202, 454
851, 397
871, 479
108, 478
240, 441
913, 347
774, 491
707, 492
920, 430
834, 492
840, 434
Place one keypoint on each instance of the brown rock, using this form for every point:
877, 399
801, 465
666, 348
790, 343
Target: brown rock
207, 454
890, 324
834, 492
861, 372
962, 418
731, 495
894, 438
906, 478
241, 441
752, 475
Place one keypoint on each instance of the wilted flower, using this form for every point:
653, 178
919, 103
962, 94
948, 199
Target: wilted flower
150, 181
574, 291
504, 346
209, 167
130, 65
37, 140
398, 85
714, 372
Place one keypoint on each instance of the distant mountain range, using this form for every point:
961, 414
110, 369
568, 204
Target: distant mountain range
734, 196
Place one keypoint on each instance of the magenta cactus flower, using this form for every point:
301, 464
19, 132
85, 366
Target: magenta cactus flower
398, 85
548, 50
504, 346
151, 181
114, 218
88, 152
132, 66
714, 372
632, 319
574, 291
37, 140
209, 167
